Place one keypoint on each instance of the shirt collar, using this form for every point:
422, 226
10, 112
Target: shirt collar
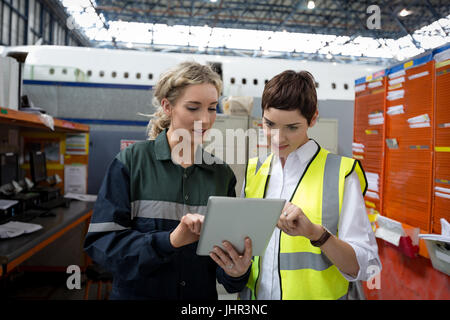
305, 152
162, 150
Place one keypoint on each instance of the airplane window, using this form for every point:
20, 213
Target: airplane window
64, 71
101, 73
265, 81
89, 73
317, 84
345, 86
51, 71
244, 81
114, 74
255, 82
150, 76
232, 80
138, 75
333, 85
125, 75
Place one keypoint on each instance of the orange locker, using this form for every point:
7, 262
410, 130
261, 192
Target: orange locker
409, 150
407, 196
368, 135
441, 192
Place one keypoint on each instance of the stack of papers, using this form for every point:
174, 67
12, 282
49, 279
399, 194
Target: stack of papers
360, 88
397, 74
81, 197
376, 118
357, 147
396, 81
373, 181
374, 84
418, 75
444, 236
442, 192
395, 95
15, 228
395, 110
420, 121
5, 204
389, 230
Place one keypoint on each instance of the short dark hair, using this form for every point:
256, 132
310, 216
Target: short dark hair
291, 90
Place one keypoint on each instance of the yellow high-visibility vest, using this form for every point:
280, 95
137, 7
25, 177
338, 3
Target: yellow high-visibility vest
305, 272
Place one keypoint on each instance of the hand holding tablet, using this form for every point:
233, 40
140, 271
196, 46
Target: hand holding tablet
233, 263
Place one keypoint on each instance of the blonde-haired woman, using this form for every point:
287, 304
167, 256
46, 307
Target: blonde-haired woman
149, 210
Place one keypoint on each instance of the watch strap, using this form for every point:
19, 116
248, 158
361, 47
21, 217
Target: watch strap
323, 238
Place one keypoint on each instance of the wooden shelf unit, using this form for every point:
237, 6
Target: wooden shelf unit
29, 120
31, 129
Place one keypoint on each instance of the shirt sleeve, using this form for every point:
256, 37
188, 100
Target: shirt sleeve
355, 229
111, 241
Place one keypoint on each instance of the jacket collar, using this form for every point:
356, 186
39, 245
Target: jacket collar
162, 148
162, 151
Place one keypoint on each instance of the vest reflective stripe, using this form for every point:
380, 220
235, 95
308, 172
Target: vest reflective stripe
304, 260
245, 294
157, 209
305, 272
330, 198
105, 227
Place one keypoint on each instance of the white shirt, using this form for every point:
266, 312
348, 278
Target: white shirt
353, 227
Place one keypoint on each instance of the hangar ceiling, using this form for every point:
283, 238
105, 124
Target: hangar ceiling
340, 17
352, 19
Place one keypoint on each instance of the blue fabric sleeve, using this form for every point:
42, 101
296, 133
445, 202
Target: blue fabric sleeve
111, 242
232, 284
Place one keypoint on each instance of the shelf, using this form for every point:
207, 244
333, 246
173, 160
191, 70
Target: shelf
24, 119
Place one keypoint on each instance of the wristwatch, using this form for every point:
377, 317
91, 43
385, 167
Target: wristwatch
323, 238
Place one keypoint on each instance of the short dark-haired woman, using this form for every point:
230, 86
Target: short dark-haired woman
324, 239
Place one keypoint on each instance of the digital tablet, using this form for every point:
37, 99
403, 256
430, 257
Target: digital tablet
234, 219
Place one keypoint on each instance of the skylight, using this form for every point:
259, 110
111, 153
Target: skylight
96, 28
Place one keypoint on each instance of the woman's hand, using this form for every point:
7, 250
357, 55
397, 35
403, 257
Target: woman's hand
233, 263
295, 223
188, 231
